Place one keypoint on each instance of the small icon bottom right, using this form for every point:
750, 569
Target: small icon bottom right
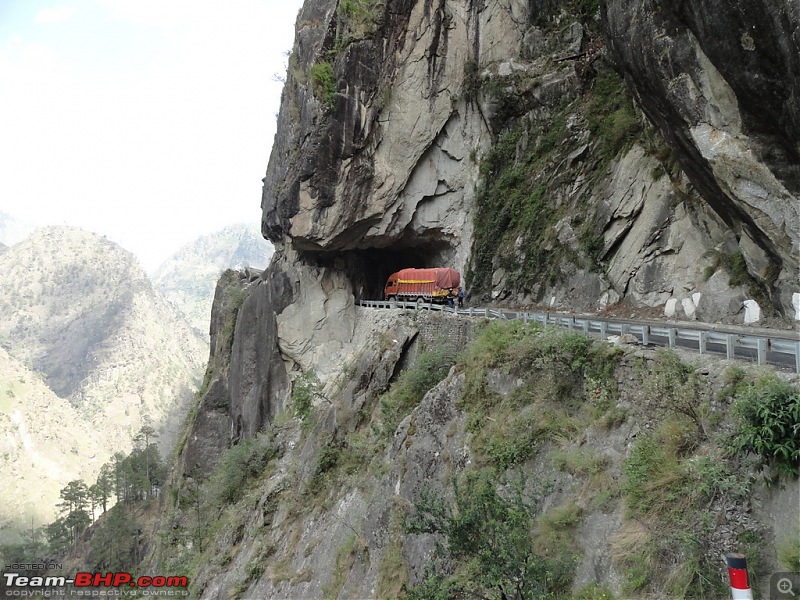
784, 585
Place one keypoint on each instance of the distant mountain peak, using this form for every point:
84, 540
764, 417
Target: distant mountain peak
13, 230
188, 278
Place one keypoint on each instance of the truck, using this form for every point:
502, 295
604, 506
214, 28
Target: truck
423, 285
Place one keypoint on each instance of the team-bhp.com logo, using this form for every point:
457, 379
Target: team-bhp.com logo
89, 584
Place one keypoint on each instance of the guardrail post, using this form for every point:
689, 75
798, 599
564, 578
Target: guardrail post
762, 351
645, 335
624, 329
702, 341
525, 318
673, 334
603, 330
586, 326
797, 357
729, 341
737, 573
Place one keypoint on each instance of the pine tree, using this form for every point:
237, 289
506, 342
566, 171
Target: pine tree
73, 505
146, 433
104, 487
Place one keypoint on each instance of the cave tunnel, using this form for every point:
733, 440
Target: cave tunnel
368, 269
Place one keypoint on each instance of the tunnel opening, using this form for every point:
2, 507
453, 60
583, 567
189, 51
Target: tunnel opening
368, 269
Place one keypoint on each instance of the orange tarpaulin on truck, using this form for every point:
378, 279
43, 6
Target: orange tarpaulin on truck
441, 278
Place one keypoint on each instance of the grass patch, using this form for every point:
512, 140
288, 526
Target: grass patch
551, 402
581, 462
789, 551
407, 391
234, 296
511, 204
393, 569
345, 559
357, 20
673, 386
489, 543
610, 114
515, 212
323, 82
669, 485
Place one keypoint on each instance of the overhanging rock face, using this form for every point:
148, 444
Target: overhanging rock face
720, 80
384, 124
392, 159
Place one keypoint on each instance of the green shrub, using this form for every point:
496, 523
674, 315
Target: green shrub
303, 390
768, 413
323, 82
359, 18
735, 382
489, 541
238, 465
610, 114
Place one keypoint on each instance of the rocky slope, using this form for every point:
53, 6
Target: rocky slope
187, 278
575, 154
315, 503
81, 317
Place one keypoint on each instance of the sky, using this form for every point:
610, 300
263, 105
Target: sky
148, 121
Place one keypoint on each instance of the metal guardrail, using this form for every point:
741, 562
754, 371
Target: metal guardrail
780, 351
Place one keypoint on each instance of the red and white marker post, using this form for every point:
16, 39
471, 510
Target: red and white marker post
737, 571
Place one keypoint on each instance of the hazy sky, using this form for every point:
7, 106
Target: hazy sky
149, 121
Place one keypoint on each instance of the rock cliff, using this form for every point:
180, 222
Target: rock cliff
499, 139
575, 154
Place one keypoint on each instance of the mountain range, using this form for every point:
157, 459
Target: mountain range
90, 354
